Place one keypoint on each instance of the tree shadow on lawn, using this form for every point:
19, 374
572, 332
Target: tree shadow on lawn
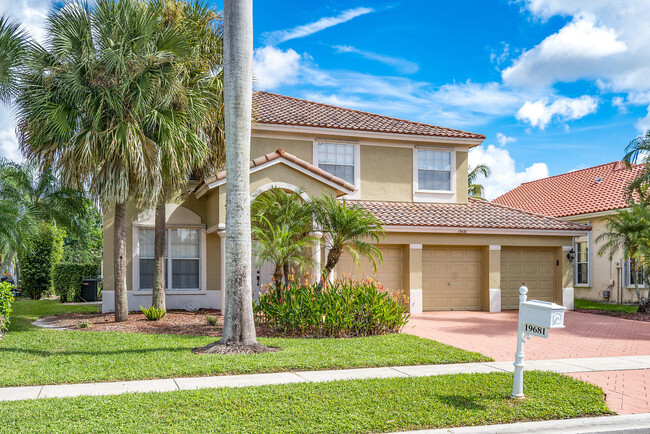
142, 351
463, 402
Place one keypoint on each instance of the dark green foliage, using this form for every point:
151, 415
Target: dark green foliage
153, 313
37, 263
68, 278
343, 309
6, 298
85, 246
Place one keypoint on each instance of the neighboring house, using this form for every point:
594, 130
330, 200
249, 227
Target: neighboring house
586, 196
442, 250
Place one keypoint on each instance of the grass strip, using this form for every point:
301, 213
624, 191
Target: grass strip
594, 305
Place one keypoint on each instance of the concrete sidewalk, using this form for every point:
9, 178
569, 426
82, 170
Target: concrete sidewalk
167, 385
633, 423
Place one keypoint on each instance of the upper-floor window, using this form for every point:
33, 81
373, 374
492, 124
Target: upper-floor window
582, 262
337, 159
183, 258
434, 170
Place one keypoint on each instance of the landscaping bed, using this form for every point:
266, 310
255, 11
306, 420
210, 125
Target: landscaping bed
624, 311
353, 406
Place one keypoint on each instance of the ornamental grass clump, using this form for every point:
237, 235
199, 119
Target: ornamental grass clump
344, 308
153, 313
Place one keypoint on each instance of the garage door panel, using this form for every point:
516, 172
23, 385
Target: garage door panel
389, 272
451, 278
532, 266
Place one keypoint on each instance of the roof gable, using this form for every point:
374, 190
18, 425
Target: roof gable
270, 108
595, 189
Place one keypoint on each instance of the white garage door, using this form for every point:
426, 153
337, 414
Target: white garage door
451, 278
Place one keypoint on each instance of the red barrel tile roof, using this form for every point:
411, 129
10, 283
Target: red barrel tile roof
595, 189
270, 108
474, 214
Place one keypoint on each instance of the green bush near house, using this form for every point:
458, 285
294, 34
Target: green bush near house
342, 309
6, 299
37, 262
68, 278
153, 313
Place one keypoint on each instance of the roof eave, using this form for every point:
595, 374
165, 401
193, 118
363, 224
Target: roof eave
488, 231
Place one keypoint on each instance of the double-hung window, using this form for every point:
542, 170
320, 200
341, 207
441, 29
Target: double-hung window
582, 262
634, 273
183, 258
434, 170
337, 159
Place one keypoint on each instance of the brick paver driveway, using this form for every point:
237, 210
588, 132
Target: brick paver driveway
585, 335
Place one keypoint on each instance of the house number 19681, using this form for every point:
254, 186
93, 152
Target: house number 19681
536, 330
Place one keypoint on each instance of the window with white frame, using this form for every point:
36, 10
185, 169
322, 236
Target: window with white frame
582, 262
183, 258
634, 273
434, 170
337, 159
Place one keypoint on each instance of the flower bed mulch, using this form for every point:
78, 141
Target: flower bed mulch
177, 322
636, 316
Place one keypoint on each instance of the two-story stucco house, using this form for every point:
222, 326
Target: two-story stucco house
442, 250
586, 196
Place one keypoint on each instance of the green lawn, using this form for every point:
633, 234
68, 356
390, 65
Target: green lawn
31, 355
594, 305
356, 406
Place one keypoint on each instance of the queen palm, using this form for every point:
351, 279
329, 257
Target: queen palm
12, 52
89, 101
475, 189
348, 228
629, 232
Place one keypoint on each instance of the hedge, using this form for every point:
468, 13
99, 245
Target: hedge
37, 262
68, 279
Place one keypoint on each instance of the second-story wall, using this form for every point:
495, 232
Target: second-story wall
385, 167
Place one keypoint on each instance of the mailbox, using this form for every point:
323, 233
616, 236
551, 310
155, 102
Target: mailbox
542, 313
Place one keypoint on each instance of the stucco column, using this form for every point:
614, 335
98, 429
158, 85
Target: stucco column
316, 255
494, 278
415, 278
222, 268
566, 270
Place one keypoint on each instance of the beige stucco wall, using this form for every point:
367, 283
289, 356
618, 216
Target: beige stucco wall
302, 149
605, 274
386, 174
461, 177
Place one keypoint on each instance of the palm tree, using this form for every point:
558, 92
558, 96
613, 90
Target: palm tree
346, 228
12, 52
474, 189
87, 103
281, 226
185, 130
629, 232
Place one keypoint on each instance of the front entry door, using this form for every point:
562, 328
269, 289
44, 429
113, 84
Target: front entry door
261, 278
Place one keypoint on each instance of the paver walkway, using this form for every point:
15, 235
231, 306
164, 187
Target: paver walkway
172, 384
586, 335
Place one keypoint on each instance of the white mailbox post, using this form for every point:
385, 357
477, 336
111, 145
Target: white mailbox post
535, 319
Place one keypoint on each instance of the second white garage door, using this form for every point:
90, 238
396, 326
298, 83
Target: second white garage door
532, 266
389, 273
451, 278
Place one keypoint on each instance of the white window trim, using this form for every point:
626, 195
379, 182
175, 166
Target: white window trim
589, 262
135, 261
628, 274
434, 195
356, 194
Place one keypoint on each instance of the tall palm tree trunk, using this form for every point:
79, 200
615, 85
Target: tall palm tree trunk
119, 263
239, 326
160, 243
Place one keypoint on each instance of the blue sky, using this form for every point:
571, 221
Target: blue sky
555, 85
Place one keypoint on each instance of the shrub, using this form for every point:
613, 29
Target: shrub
68, 278
342, 309
211, 320
85, 324
153, 313
36, 264
6, 298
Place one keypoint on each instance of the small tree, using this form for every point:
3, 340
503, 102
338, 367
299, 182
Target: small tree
474, 189
347, 228
37, 263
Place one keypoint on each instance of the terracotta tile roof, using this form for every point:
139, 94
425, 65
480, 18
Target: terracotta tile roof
475, 214
596, 189
270, 108
281, 153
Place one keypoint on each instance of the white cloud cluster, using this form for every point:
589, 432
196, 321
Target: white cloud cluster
503, 140
311, 28
273, 67
541, 112
504, 176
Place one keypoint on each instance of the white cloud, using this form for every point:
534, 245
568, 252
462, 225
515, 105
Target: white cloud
8, 140
643, 125
503, 140
311, 28
402, 65
504, 176
541, 112
274, 67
